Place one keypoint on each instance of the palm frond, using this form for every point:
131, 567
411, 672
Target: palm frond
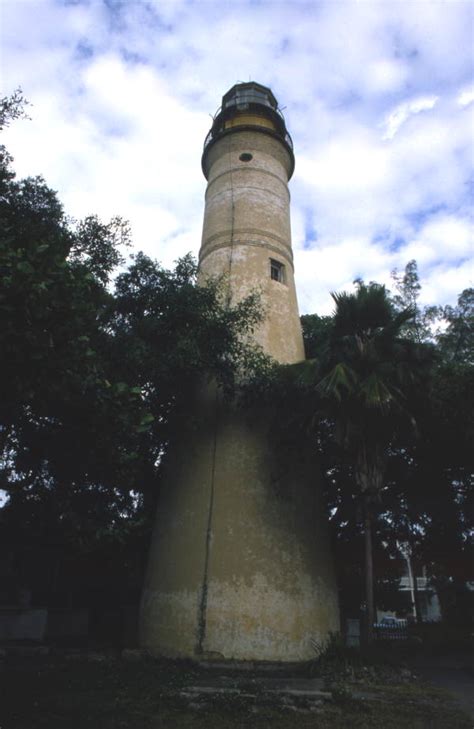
339, 380
375, 393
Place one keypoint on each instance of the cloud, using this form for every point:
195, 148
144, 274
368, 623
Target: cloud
466, 97
399, 115
377, 100
445, 238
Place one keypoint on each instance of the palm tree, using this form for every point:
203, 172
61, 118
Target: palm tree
365, 378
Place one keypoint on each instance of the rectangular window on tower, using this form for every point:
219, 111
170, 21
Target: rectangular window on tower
277, 271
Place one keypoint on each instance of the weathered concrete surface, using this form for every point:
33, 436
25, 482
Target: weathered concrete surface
269, 587
239, 565
299, 695
247, 223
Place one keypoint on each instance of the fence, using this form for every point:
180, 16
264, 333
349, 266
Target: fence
391, 631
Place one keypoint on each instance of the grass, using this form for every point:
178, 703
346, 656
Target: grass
55, 693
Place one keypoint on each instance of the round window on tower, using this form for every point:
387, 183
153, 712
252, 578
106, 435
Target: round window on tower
246, 157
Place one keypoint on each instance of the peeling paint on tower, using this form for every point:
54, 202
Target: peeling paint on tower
240, 566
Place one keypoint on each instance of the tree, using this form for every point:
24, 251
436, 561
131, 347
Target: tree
420, 327
429, 503
54, 391
426, 500
12, 107
368, 373
316, 334
95, 369
456, 341
361, 387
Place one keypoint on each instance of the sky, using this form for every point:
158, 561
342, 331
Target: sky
378, 97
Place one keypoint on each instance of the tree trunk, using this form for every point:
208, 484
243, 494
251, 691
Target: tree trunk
369, 575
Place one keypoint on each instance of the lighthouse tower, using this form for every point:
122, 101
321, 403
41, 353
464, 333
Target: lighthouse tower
240, 566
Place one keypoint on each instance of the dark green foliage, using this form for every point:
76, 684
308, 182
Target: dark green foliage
429, 501
408, 288
457, 340
417, 397
365, 388
12, 107
60, 406
364, 379
316, 334
95, 371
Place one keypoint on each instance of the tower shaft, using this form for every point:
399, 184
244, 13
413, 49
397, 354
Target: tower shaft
247, 235
239, 565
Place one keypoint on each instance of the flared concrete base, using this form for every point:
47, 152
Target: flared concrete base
240, 566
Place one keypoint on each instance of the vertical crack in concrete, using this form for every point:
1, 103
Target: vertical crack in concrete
202, 610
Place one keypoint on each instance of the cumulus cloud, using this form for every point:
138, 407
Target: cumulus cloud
377, 99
